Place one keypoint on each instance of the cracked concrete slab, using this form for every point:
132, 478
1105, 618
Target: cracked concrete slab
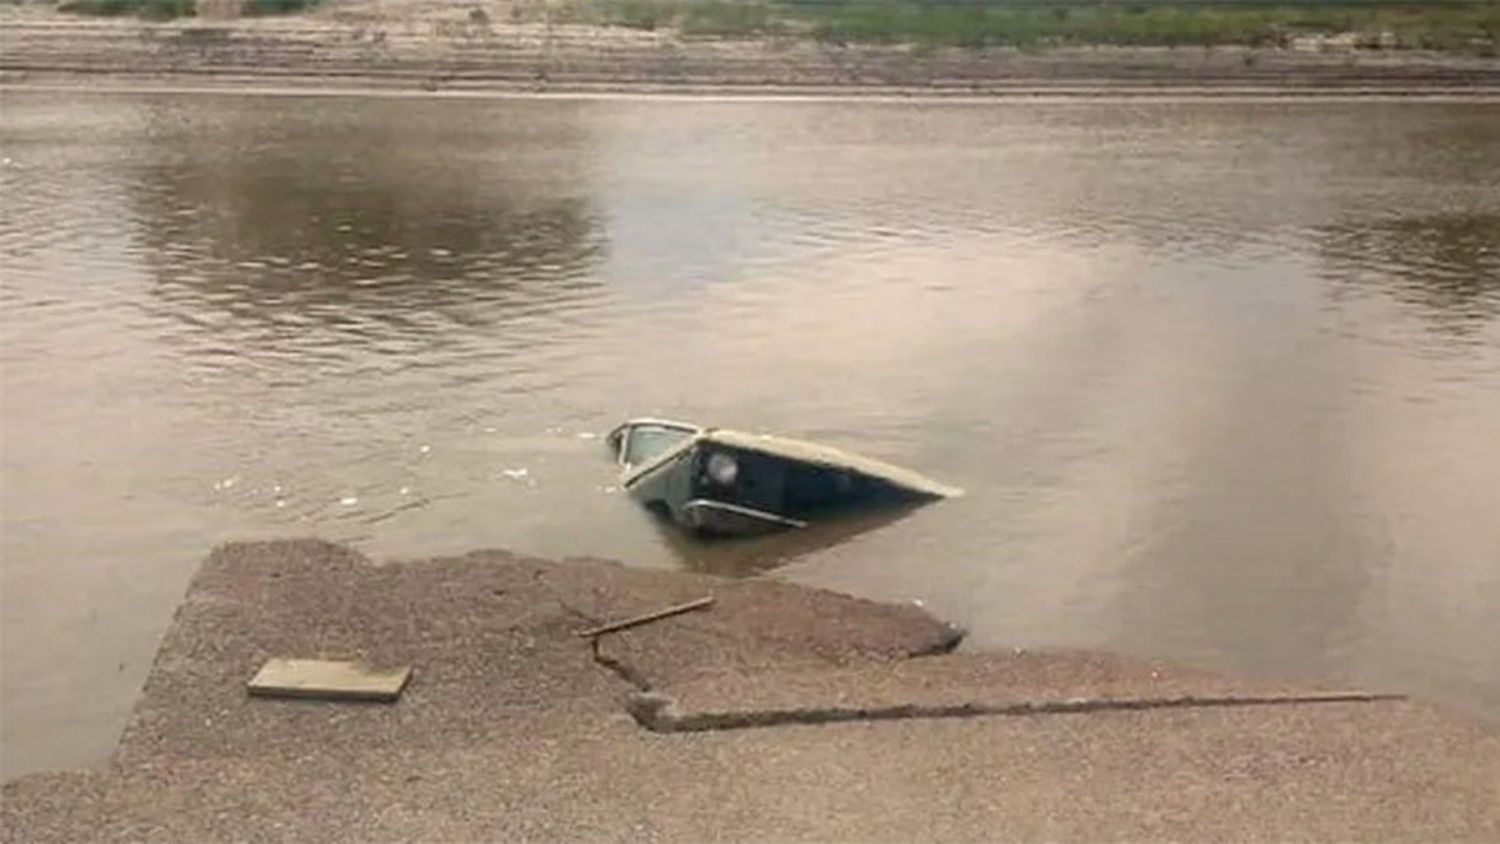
484, 635
488, 634
760, 624
511, 729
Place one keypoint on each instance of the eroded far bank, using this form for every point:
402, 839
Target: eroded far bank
438, 50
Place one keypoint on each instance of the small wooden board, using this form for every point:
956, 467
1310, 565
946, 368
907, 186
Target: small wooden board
319, 678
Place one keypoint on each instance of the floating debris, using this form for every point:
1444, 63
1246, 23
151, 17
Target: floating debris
425, 449
406, 490
515, 473
349, 501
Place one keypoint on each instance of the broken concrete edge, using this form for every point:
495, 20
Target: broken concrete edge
659, 713
952, 635
655, 709
620, 668
947, 637
582, 586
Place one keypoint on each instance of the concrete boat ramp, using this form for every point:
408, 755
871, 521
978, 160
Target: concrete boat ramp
775, 713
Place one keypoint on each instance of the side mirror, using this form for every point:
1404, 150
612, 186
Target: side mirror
622, 446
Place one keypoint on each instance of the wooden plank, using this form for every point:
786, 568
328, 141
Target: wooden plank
329, 680
642, 619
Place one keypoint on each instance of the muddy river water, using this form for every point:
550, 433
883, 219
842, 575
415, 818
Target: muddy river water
1221, 377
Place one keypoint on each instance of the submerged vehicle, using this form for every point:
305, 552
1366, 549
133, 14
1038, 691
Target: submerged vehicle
729, 483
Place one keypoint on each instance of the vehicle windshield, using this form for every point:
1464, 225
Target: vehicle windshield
644, 442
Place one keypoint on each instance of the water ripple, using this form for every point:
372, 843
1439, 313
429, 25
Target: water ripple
1220, 377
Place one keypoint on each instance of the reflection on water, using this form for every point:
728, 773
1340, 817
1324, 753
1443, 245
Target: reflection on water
740, 557
1446, 264
401, 242
1221, 377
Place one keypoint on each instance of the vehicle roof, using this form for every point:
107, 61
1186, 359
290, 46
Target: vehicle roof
809, 452
789, 449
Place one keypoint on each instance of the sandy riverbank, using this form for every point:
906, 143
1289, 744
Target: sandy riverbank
442, 49
778, 713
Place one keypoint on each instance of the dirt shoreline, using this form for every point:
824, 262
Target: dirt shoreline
428, 54
371, 86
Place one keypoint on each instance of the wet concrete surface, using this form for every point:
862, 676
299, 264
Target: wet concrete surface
515, 727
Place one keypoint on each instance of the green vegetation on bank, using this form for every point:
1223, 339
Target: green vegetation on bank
1434, 26
1451, 25
169, 9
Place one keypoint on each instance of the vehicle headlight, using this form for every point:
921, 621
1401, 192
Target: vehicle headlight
723, 468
